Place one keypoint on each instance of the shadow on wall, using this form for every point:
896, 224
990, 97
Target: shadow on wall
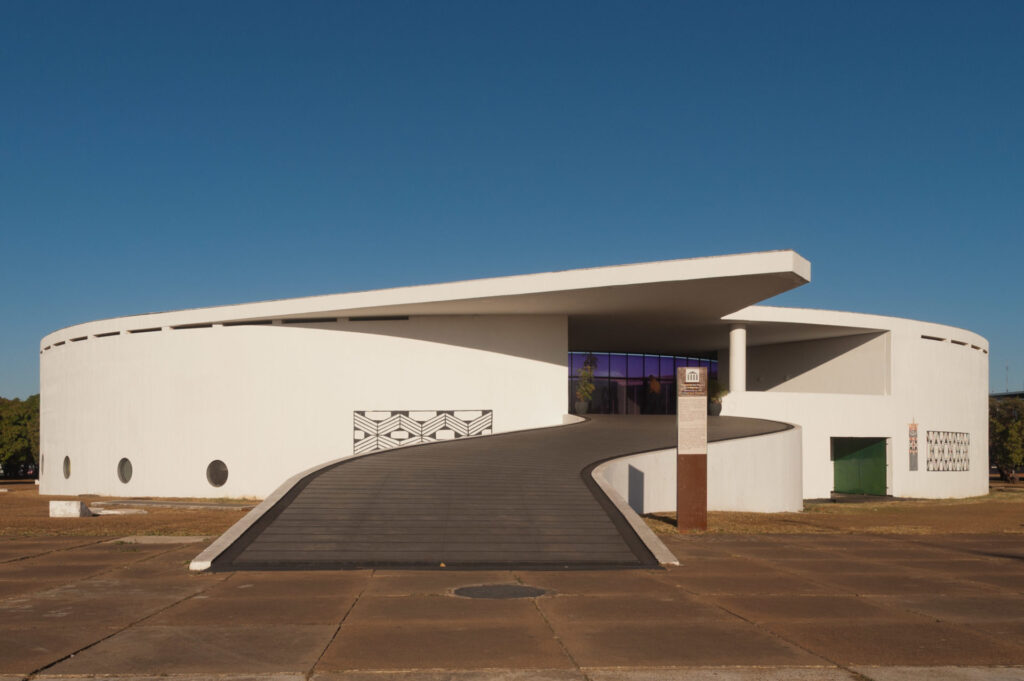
636, 489
527, 337
856, 364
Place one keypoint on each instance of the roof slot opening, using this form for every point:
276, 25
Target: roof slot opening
385, 318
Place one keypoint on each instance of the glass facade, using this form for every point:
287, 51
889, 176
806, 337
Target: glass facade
627, 383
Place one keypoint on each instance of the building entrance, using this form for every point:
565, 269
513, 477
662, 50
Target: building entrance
628, 383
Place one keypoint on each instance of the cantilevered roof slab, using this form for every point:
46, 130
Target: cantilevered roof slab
637, 307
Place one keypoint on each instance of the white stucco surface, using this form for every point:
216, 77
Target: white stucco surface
273, 400
941, 385
758, 474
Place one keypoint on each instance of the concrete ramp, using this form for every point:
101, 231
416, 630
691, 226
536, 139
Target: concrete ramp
522, 500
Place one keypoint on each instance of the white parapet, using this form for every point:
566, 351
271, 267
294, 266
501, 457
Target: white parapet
759, 474
69, 509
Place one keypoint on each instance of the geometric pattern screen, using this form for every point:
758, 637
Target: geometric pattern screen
376, 430
948, 451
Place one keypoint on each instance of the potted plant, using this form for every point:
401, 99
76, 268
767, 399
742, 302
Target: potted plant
585, 384
715, 394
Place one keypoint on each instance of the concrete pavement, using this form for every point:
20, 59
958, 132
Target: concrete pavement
738, 608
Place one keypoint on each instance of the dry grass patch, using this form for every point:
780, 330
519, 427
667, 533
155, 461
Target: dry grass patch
26, 513
1000, 511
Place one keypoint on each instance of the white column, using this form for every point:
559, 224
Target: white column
737, 358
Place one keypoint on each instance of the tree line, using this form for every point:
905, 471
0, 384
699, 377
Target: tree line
19, 437
1006, 436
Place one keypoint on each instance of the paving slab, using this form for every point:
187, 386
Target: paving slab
445, 645
949, 673
177, 677
50, 609
14, 548
956, 566
748, 584
802, 607
455, 675
25, 570
896, 643
724, 567
14, 588
570, 610
202, 650
663, 644
828, 564
448, 609
959, 608
424, 582
256, 610
159, 539
24, 649
652, 582
897, 584
724, 674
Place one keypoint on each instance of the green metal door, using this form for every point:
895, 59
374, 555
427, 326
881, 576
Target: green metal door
859, 465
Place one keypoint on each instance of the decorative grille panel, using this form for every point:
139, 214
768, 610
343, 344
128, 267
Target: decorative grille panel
376, 430
948, 451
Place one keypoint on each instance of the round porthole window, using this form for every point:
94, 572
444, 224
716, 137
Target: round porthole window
124, 470
67, 466
217, 473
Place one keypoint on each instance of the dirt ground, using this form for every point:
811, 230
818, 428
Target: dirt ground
25, 513
1000, 511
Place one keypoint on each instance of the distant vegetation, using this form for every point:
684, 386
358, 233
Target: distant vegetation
1006, 435
19, 437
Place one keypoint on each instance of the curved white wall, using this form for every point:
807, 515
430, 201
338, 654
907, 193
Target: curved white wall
273, 400
942, 385
759, 474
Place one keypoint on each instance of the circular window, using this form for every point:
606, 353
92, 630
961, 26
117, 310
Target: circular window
67, 466
124, 470
217, 473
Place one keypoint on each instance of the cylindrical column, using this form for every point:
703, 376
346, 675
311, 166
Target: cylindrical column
737, 358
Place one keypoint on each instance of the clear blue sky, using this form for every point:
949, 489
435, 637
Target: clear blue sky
163, 155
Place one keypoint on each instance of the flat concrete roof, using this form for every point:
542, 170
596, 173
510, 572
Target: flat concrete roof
641, 307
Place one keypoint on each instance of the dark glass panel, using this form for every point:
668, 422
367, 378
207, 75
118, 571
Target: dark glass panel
599, 402
616, 396
667, 368
576, 362
634, 396
602, 363
652, 365
617, 365
636, 366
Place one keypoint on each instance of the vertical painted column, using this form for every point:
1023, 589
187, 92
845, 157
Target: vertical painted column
737, 358
692, 449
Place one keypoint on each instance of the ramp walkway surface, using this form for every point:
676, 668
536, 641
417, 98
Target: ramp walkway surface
523, 499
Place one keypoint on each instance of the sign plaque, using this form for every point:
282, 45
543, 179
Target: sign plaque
692, 449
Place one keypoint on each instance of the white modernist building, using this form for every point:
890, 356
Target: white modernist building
230, 401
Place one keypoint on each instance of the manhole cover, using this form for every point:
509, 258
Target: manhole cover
499, 591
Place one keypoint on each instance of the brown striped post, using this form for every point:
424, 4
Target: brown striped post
692, 449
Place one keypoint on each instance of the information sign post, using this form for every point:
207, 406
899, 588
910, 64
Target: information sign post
692, 450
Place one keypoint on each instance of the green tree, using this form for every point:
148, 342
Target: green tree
19, 435
1006, 436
